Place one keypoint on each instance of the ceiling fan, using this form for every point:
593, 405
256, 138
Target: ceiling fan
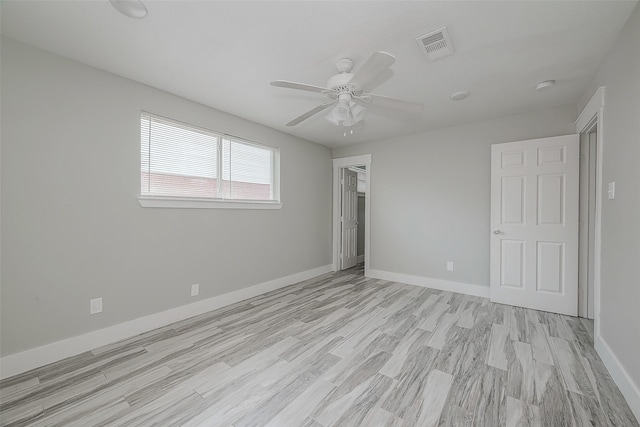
347, 92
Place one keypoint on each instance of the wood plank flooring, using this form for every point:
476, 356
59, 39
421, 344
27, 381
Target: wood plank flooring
337, 350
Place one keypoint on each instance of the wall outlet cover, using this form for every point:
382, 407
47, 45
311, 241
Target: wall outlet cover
449, 265
95, 305
195, 290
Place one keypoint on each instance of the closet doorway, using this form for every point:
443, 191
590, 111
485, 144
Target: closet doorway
351, 211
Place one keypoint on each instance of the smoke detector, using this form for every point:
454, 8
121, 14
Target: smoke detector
459, 96
436, 44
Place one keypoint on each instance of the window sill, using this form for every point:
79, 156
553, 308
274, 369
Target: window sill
180, 203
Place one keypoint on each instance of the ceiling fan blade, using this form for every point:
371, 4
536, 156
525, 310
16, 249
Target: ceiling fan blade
398, 104
299, 86
310, 113
377, 63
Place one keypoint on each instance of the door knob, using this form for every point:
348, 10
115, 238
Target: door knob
496, 231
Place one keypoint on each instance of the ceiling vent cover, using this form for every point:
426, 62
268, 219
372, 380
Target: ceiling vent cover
436, 44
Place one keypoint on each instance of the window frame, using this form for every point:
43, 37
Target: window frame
151, 201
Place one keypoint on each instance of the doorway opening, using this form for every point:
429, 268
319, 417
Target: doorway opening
589, 125
351, 212
587, 211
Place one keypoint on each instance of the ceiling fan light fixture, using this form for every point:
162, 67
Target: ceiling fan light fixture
346, 114
339, 113
332, 119
131, 8
357, 112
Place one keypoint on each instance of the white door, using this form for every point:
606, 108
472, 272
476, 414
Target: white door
349, 218
534, 223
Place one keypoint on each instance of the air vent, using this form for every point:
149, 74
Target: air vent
436, 44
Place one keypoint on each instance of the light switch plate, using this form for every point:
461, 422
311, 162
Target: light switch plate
611, 193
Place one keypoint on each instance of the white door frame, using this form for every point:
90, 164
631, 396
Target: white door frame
592, 114
345, 162
587, 208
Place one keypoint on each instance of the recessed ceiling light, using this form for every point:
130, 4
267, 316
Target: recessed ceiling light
131, 8
545, 84
459, 96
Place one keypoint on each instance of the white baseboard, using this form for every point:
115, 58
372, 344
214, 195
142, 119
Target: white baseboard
360, 258
427, 282
36, 357
627, 387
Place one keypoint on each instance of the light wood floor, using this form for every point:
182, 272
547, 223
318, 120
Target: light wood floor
339, 350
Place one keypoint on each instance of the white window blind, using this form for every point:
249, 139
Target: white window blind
178, 160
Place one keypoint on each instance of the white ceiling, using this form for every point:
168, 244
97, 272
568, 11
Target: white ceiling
224, 53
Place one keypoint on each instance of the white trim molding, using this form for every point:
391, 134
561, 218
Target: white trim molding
593, 114
186, 203
590, 110
628, 388
344, 162
34, 358
428, 282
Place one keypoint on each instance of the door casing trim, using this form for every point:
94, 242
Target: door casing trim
593, 114
345, 162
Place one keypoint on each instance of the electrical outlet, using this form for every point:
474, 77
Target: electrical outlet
450, 265
195, 290
95, 305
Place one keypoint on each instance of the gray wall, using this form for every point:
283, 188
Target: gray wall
620, 275
72, 228
430, 194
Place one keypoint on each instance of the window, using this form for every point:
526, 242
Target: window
179, 161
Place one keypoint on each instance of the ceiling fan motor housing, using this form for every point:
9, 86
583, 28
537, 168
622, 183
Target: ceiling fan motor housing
341, 84
344, 65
